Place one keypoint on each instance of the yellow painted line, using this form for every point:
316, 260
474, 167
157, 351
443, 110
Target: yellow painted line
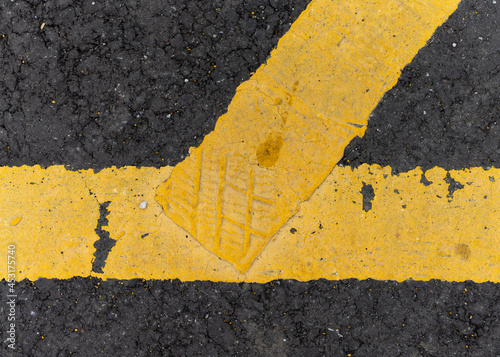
411, 231
284, 131
287, 127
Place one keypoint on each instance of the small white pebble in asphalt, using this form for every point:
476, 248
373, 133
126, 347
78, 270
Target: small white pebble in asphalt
186, 80
143, 205
454, 44
494, 2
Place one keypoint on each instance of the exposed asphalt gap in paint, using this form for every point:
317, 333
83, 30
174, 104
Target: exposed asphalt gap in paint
368, 196
104, 245
424, 181
453, 186
355, 125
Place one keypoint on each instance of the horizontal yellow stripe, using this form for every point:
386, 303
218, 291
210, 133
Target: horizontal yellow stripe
411, 231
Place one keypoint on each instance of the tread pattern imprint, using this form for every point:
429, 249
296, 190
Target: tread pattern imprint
287, 126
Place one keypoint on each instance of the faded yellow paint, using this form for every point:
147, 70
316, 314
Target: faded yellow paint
287, 126
412, 230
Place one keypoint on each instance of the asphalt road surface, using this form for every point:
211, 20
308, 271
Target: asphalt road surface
95, 84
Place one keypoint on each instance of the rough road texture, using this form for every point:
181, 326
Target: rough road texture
125, 83
282, 318
139, 83
103, 84
444, 111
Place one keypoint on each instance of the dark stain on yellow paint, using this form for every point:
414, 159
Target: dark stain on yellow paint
463, 251
268, 151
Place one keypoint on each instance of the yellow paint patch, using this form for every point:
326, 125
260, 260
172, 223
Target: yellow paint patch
411, 231
287, 126
60, 210
16, 221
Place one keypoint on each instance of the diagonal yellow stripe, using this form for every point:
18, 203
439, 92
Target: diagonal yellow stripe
292, 120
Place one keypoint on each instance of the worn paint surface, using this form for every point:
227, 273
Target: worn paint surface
411, 230
287, 126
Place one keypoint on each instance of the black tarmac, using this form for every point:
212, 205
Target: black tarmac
96, 84
89, 317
